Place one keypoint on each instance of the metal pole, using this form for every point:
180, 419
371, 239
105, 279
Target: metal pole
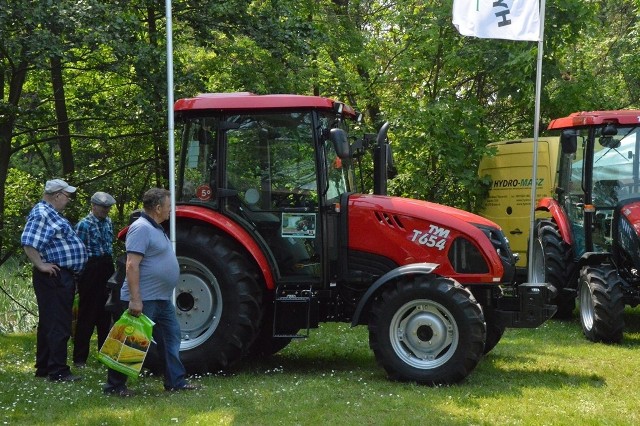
171, 126
536, 126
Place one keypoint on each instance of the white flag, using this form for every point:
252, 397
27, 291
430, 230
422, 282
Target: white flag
506, 19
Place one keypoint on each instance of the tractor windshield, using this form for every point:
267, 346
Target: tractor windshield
615, 173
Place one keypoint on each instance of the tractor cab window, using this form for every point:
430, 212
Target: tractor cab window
271, 168
340, 176
615, 167
615, 177
271, 162
198, 163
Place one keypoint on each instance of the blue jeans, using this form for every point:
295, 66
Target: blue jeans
166, 333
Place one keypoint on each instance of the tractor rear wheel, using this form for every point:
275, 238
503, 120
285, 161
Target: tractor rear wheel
218, 300
427, 329
551, 264
601, 304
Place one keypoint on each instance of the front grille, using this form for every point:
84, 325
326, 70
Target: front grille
465, 257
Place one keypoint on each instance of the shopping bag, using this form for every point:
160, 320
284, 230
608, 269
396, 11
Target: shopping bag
127, 344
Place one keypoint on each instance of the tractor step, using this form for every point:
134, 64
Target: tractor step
294, 316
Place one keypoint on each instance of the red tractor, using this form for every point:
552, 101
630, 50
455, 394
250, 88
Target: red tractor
273, 239
590, 247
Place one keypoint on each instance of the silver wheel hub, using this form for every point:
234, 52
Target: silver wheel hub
538, 271
424, 334
586, 306
198, 303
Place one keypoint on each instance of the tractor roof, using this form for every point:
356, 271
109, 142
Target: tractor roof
596, 118
245, 101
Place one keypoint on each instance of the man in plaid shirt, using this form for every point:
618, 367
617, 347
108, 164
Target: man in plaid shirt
96, 232
57, 255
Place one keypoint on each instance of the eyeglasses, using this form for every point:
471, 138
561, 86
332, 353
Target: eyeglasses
66, 195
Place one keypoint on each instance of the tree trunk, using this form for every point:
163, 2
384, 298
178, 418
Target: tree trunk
64, 138
16, 83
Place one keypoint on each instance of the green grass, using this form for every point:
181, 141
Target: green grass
546, 376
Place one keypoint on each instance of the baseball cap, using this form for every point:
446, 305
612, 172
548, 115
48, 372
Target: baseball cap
102, 199
55, 185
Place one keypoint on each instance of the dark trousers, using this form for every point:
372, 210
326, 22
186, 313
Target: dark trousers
54, 295
92, 296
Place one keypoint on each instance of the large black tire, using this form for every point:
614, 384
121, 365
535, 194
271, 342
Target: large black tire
601, 304
495, 330
427, 329
552, 264
218, 301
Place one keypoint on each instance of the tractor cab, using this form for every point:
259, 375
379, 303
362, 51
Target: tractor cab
274, 173
600, 169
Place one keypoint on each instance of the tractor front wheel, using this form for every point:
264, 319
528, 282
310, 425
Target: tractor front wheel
551, 264
601, 304
428, 330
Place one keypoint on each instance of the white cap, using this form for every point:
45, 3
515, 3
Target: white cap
55, 185
102, 199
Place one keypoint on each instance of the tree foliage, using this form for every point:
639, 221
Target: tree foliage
83, 84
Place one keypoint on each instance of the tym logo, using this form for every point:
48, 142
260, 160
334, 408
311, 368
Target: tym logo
433, 237
502, 12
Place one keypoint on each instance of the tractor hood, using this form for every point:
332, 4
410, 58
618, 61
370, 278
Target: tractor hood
416, 208
466, 246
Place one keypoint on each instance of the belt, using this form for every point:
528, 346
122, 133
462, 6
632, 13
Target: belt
62, 269
103, 256
98, 259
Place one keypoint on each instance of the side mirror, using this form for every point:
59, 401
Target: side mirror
340, 143
569, 141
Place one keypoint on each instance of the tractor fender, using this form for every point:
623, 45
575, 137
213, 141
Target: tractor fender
234, 231
411, 269
559, 215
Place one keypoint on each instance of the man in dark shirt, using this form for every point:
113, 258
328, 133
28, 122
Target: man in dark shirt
57, 255
96, 232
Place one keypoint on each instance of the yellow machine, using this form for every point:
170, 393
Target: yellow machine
509, 200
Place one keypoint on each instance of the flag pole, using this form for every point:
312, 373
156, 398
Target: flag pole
171, 126
536, 131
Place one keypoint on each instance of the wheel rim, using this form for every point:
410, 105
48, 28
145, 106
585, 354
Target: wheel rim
424, 334
586, 307
198, 303
537, 263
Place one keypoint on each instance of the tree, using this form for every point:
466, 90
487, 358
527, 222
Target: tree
83, 84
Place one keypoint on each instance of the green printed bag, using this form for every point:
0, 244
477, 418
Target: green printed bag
127, 344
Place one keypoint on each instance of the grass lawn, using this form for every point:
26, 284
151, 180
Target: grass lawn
546, 376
